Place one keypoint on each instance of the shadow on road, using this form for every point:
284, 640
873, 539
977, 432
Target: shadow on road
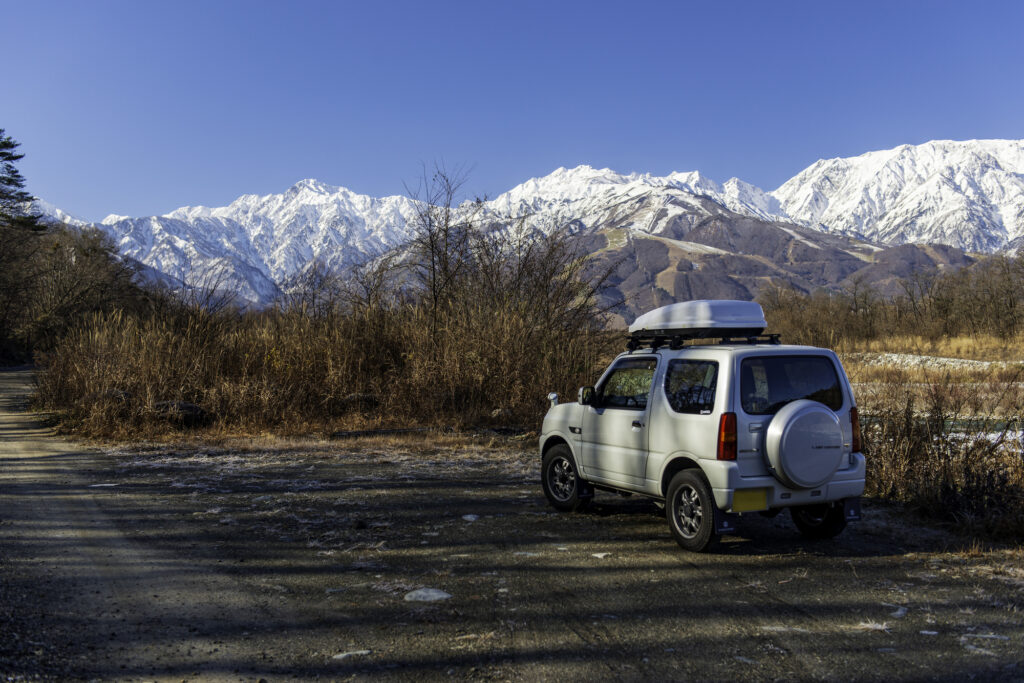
296, 561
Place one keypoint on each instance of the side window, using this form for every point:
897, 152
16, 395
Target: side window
628, 384
690, 386
770, 382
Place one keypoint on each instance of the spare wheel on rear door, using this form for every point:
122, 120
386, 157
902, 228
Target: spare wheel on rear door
804, 444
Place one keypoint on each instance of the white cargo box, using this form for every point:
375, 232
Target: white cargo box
703, 318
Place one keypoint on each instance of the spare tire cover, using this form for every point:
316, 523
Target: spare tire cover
804, 444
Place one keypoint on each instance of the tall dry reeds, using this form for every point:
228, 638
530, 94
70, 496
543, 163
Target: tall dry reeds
475, 324
949, 446
286, 370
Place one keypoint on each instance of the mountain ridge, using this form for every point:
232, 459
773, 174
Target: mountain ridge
969, 195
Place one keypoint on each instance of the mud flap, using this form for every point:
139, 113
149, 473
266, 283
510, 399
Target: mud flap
851, 509
725, 522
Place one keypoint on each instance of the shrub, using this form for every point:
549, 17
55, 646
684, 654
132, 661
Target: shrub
501, 317
948, 448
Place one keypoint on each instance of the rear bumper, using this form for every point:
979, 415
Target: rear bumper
725, 479
779, 496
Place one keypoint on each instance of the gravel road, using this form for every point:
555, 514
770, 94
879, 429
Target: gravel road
266, 559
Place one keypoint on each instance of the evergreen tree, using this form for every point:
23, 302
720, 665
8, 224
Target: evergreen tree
14, 200
51, 276
19, 244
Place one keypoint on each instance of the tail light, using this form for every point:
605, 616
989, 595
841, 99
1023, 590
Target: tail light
727, 437
855, 423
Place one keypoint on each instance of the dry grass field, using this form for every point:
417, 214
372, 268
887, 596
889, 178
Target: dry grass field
944, 434
938, 372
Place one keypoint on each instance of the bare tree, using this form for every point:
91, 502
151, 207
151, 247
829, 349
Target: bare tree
316, 291
371, 285
441, 246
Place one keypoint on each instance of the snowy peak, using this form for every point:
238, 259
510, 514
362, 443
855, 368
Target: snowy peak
564, 185
968, 194
49, 211
312, 185
587, 186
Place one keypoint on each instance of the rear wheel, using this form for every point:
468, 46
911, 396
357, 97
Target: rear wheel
819, 521
561, 481
690, 509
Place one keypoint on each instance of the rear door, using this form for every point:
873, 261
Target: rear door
614, 438
770, 381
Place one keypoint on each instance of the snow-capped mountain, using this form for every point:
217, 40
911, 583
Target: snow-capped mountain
256, 243
964, 194
570, 193
56, 214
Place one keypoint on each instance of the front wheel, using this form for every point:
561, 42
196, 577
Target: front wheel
819, 521
690, 509
561, 482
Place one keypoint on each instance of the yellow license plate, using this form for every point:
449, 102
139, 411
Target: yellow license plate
748, 500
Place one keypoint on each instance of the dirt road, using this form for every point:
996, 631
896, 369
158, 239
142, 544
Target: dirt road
298, 560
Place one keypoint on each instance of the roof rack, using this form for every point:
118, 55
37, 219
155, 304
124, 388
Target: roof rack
676, 340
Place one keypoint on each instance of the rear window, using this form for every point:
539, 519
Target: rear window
690, 386
769, 382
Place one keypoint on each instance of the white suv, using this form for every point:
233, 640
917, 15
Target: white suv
712, 430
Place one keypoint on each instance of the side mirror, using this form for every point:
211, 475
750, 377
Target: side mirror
553, 399
586, 396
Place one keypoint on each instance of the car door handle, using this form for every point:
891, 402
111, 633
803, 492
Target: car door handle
638, 424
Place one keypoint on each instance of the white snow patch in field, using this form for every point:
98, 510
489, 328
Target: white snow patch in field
600, 556
910, 360
470, 518
426, 595
353, 653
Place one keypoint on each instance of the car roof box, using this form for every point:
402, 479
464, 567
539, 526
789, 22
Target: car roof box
702, 319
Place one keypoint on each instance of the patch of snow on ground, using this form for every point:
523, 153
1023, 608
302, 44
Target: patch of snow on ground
426, 595
798, 238
909, 360
692, 247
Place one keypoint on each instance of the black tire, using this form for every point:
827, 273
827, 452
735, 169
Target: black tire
819, 521
564, 488
690, 509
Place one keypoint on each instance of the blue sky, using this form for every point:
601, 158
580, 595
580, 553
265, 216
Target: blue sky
139, 107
